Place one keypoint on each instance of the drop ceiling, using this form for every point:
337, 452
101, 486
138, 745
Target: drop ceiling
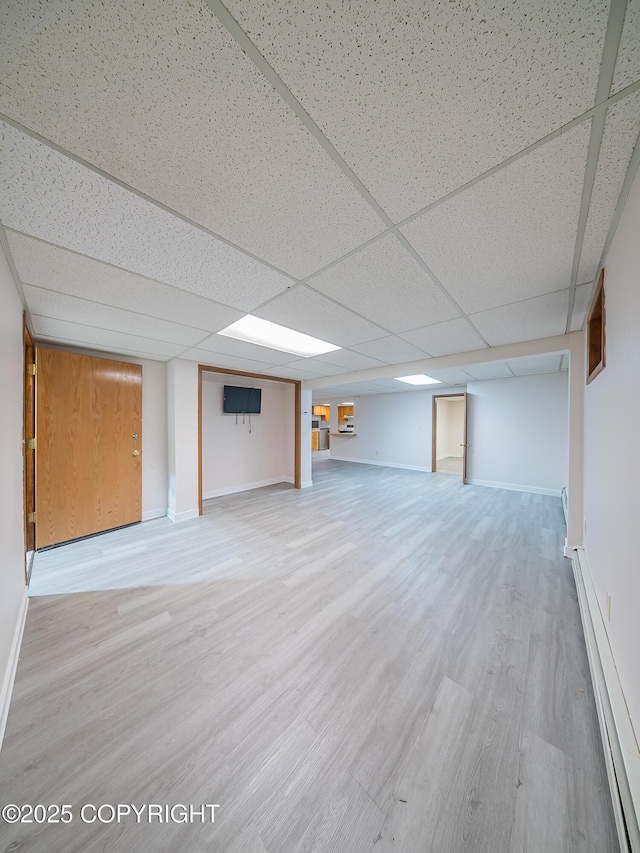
403, 180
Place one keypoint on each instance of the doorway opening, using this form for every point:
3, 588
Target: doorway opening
449, 441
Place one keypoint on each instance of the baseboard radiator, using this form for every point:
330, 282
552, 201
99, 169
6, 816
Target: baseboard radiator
618, 738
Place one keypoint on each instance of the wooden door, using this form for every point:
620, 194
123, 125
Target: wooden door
89, 444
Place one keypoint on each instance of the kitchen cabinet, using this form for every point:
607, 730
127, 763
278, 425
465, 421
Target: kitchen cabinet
345, 418
322, 412
315, 439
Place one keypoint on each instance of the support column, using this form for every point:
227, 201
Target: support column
182, 436
306, 477
575, 485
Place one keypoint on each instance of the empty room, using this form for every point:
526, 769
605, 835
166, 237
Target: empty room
320, 338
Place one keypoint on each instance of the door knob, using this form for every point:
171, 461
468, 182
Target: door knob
136, 453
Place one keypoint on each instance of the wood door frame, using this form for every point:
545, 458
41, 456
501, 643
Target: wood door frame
297, 384
434, 427
28, 434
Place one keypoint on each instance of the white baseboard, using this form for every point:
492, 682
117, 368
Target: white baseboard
245, 487
148, 514
382, 464
621, 749
183, 516
514, 488
12, 664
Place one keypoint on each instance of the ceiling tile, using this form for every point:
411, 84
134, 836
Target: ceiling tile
511, 236
540, 317
119, 352
158, 94
318, 368
289, 372
217, 359
450, 375
535, 364
446, 338
421, 97
45, 265
621, 130
79, 335
387, 285
47, 303
391, 350
581, 305
349, 359
489, 370
50, 196
243, 349
306, 311
628, 60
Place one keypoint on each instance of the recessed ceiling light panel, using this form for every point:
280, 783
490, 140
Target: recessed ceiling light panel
255, 330
418, 379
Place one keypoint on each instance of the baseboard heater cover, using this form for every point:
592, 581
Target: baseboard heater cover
621, 753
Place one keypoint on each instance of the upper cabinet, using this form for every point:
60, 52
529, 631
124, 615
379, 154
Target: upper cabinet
322, 412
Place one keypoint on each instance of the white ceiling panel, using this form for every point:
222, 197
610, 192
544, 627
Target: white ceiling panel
511, 236
244, 349
535, 364
421, 97
79, 335
621, 131
213, 141
370, 280
628, 60
50, 196
318, 368
47, 303
540, 317
489, 370
217, 359
449, 376
581, 305
45, 265
117, 352
349, 359
289, 372
446, 338
306, 311
391, 350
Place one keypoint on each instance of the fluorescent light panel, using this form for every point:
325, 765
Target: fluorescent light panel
255, 330
418, 379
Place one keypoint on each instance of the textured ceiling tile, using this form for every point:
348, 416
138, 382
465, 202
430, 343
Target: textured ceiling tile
621, 131
511, 236
541, 317
421, 97
45, 265
318, 368
535, 364
391, 350
349, 359
306, 311
628, 60
446, 338
370, 280
119, 352
289, 372
50, 196
244, 349
450, 376
59, 306
158, 94
77, 334
581, 305
489, 370
216, 359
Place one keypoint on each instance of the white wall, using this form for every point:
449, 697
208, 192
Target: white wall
517, 430
13, 590
234, 459
611, 458
182, 438
154, 428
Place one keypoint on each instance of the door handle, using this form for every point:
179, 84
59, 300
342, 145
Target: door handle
465, 445
136, 453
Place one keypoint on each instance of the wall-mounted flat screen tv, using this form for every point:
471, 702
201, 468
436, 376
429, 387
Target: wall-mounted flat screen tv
241, 401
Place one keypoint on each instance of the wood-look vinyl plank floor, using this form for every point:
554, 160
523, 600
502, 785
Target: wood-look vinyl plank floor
388, 661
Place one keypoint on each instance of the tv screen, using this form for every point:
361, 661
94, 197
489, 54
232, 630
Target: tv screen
241, 401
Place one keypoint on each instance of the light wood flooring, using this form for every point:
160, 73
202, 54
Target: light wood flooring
388, 661
450, 465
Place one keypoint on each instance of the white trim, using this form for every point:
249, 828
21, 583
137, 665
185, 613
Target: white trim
245, 487
536, 490
183, 516
12, 664
382, 464
154, 513
621, 752
307, 484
